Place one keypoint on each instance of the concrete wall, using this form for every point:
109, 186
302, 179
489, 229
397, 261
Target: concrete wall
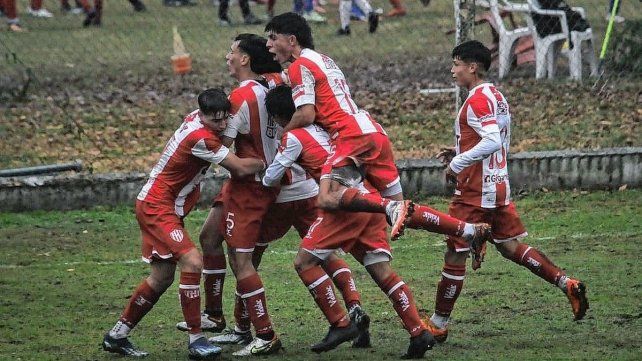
603, 169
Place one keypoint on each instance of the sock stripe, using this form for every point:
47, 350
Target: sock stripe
214, 271
521, 259
394, 288
253, 293
318, 282
189, 287
453, 277
340, 270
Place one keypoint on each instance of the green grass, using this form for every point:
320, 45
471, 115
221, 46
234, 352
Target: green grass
65, 277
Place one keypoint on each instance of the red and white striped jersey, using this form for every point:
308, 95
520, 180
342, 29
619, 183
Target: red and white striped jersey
309, 147
175, 179
317, 80
254, 132
485, 183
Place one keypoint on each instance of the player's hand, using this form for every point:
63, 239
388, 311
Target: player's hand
451, 176
446, 155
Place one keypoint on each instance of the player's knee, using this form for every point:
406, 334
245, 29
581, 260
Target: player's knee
454, 257
160, 283
507, 249
192, 262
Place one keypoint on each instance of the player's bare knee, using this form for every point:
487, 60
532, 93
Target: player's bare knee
455, 258
507, 249
192, 262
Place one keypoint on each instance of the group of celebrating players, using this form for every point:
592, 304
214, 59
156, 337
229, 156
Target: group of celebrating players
307, 156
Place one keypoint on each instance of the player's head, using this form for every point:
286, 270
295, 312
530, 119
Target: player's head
214, 108
249, 50
279, 104
471, 61
286, 33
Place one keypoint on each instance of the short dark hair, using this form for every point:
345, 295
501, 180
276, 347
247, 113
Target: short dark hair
261, 60
279, 103
292, 24
473, 51
213, 100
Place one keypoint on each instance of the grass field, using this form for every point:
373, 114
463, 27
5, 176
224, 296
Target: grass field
65, 277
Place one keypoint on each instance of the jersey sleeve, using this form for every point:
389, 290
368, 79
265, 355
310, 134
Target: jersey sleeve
239, 120
303, 83
481, 116
289, 151
210, 150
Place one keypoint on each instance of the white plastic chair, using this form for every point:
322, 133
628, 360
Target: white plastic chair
547, 48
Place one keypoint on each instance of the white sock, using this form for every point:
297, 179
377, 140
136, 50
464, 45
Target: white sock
561, 283
195, 336
469, 231
439, 321
120, 330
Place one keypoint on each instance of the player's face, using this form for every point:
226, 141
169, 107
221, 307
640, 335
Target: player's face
281, 45
217, 121
463, 73
235, 59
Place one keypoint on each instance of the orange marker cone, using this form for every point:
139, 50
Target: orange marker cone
181, 60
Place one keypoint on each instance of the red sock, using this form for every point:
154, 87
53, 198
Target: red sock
355, 201
190, 297
403, 303
449, 287
434, 221
342, 278
241, 316
253, 294
537, 263
140, 302
320, 287
214, 268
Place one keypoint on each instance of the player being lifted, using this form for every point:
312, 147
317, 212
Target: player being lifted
165, 200
362, 234
478, 167
360, 146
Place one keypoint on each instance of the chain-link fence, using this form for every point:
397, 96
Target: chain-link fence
130, 43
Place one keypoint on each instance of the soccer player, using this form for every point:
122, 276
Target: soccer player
362, 234
478, 167
360, 146
245, 200
165, 200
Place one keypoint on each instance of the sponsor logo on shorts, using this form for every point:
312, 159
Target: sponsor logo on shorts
176, 235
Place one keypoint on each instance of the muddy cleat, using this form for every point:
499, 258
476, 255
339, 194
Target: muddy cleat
232, 337
260, 347
398, 213
439, 334
122, 346
419, 345
208, 323
335, 337
576, 293
373, 22
344, 31
478, 243
201, 349
361, 319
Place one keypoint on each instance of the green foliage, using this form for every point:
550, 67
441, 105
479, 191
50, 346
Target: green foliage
627, 48
66, 276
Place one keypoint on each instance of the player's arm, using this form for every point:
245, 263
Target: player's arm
303, 95
238, 122
289, 151
241, 167
211, 150
484, 122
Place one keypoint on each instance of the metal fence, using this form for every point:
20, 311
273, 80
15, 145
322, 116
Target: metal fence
132, 44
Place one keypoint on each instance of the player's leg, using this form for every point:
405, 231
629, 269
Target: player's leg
337, 268
191, 267
308, 267
432, 220
373, 17
448, 289
345, 8
507, 230
250, 288
378, 266
140, 303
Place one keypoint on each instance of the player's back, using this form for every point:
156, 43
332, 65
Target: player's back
174, 179
336, 111
313, 146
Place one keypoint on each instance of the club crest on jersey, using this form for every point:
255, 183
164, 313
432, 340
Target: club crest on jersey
176, 235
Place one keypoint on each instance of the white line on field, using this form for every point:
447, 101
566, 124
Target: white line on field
397, 245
